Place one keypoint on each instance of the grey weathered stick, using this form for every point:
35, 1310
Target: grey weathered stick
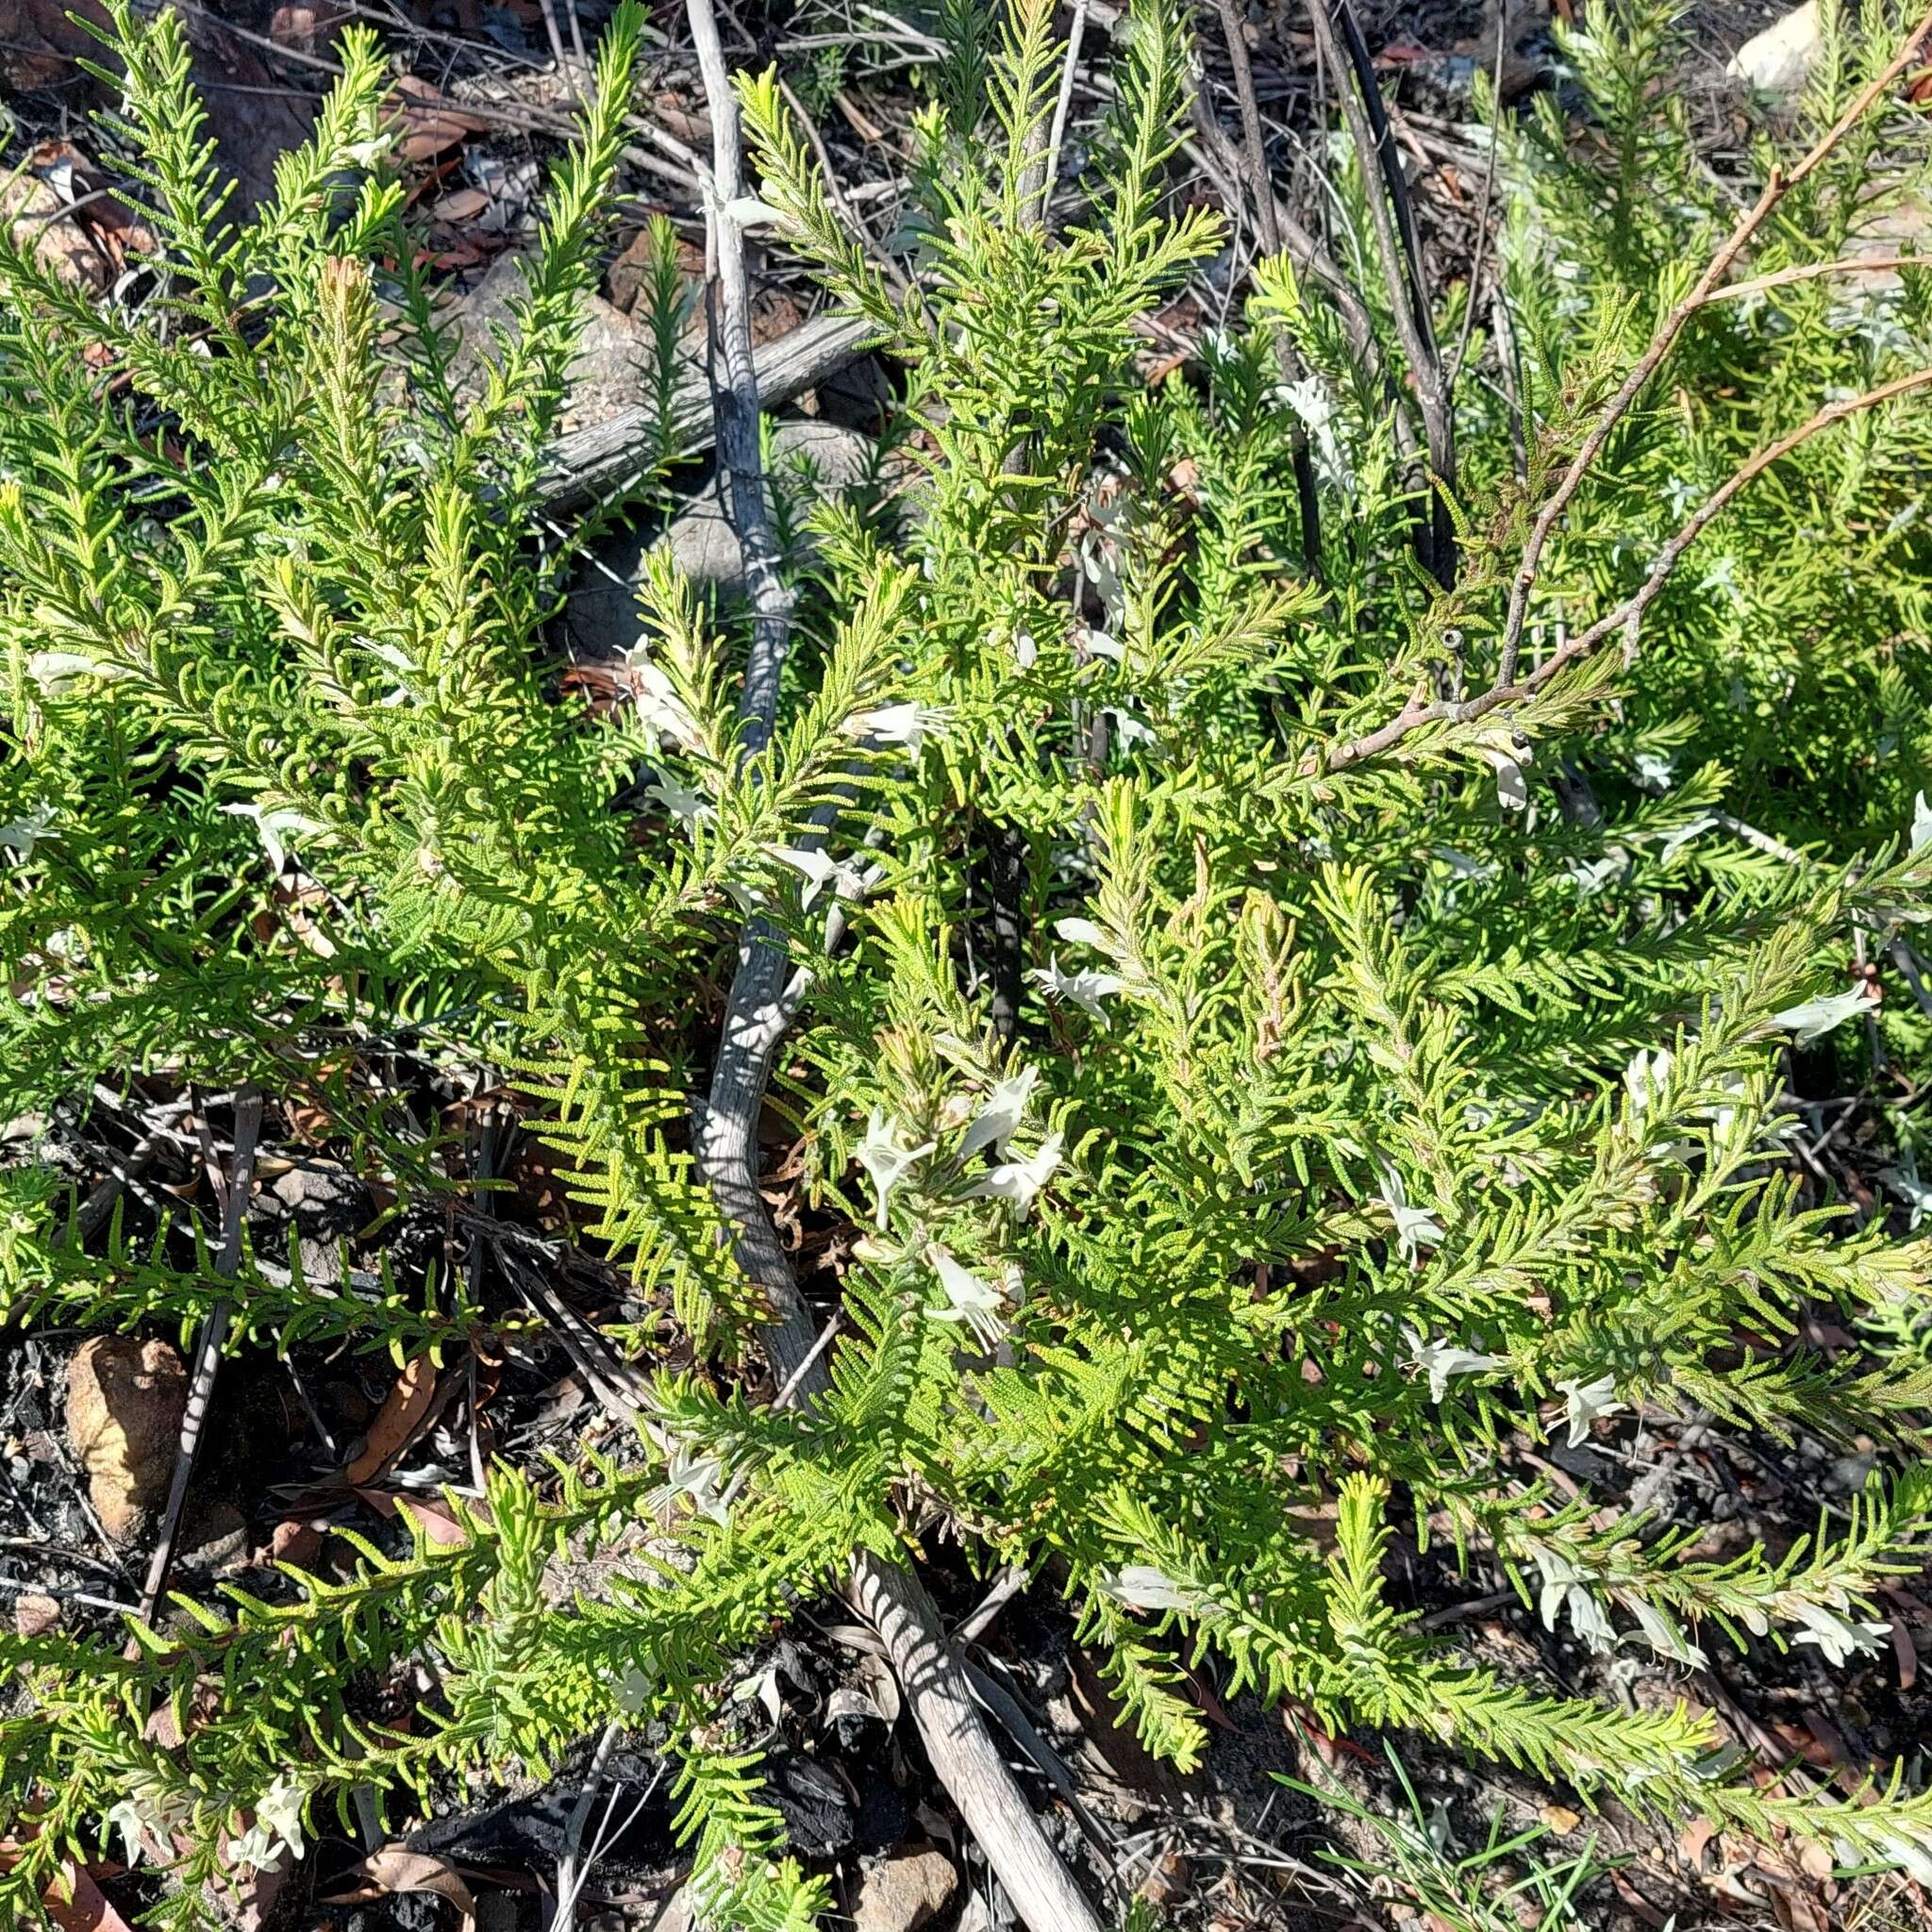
735, 388
605, 457
961, 1749
207, 1349
1260, 184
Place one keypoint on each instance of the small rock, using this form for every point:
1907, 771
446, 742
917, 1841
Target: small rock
609, 373
319, 1205
39, 223
34, 1615
810, 459
1779, 60
909, 1890
125, 1399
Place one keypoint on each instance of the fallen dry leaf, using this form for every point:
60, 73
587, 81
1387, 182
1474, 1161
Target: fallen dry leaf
396, 1869
1906, 1651
460, 204
1636, 1901
438, 1521
1693, 1839
1559, 1818
429, 124
404, 1410
1816, 1859
295, 1541
84, 1907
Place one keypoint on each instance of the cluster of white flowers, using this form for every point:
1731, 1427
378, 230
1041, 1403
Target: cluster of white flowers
889, 1153
147, 1820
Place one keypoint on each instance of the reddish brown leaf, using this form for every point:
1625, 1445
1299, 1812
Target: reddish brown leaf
297, 1543
429, 124
394, 1869
1906, 1651
1693, 1839
76, 1904
460, 204
1637, 1902
438, 1519
404, 1410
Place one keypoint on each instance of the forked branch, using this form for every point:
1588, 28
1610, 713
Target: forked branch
1628, 614
1705, 291
963, 1752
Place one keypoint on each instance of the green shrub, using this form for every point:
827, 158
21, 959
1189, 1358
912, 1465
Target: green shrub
1372, 1102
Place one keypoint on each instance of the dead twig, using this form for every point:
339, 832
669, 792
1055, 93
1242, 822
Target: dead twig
207, 1348
963, 1752
1051, 170
1482, 213
1627, 615
1813, 271
1261, 186
1392, 222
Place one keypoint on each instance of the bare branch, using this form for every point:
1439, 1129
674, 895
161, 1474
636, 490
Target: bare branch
763, 993
207, 1348
1628, 614
735, 389
1260, 187
1613, 411
1813, 271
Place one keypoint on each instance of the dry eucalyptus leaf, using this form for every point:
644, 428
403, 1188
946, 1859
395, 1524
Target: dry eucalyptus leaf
397, 1869
404, 1410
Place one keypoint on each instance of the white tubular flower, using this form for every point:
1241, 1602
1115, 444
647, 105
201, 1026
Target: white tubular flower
1142, 1587
21, 835
1080, 932
133, 1820
659, 705
847, 880
1664, 1635
910, 724
1414, 1226
279, 1808
1006, 1106
885, 1159
1585, 1401
58, 672
1837, 1637
1644, 1078
978, 1304
1082, 989
1017, 1182
1512, 788
274, 823
1442, 1360
680, 801
1814, 1019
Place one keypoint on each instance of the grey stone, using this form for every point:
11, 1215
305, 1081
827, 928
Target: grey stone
810, 459
611, 368
1779, 60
